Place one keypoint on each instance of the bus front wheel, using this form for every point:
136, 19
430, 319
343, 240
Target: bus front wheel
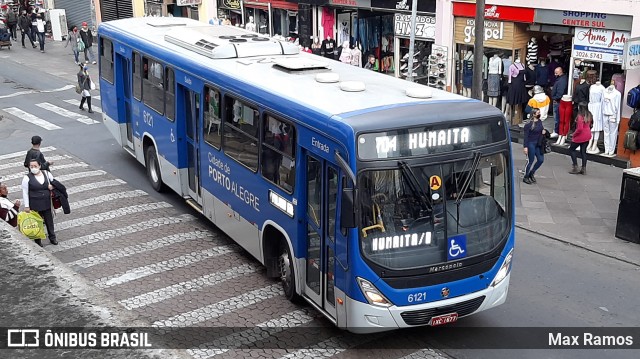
287, 274
153, 169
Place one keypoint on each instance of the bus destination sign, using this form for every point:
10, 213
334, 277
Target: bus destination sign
428, 140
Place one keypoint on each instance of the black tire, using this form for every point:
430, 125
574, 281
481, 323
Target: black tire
287, 273
153, 169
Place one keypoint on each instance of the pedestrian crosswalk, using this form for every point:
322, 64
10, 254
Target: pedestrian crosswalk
50, 116
174, 270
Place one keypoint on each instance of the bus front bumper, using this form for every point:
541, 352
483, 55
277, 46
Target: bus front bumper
366, 318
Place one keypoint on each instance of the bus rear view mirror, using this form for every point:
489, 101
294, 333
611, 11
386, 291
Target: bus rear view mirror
347, 213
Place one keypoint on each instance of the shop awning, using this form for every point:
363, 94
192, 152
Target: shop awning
275, 4
256, 5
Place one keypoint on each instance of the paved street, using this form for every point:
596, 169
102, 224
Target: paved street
130, 256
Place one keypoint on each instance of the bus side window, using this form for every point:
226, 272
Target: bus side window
106, 59
169, 94
278, 152
212, 124
152, 85
137, 77
240, 132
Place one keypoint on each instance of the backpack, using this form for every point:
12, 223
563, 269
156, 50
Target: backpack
80, 45
631, 140
633, 97
634, 121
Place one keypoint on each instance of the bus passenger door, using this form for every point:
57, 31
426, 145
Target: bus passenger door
322, 190
192, 118
124, 94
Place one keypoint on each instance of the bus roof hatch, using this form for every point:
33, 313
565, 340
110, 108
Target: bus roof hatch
226, 42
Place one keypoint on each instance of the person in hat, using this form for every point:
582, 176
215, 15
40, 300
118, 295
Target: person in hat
8, 210
35, 153
84, 81
87, 38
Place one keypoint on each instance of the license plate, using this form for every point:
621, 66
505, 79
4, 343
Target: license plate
444, 319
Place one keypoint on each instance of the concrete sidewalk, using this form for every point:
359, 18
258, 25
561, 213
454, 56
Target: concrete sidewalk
580, 210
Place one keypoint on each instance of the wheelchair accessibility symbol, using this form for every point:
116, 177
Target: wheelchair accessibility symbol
457, 247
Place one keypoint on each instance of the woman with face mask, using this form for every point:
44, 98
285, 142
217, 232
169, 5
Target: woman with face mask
36, 195
533, 133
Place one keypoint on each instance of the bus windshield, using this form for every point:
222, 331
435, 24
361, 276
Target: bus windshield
411, 216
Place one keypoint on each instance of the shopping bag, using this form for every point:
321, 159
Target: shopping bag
92, 85
31, 225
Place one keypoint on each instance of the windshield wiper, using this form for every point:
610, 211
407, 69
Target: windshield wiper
414, 184
475, 162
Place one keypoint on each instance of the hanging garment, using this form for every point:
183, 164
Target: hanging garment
328, 22
343, 32
596, 93
493, 85
581, 94
467, 73
506, 64
532, 52
517, 91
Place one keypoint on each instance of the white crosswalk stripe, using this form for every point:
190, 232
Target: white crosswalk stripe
75, 102
175, 290
261, 331
115, 214
114, 233
33, 119
58, 167
67, 177
139, 248
20, 164
217, 309
97, 97
106, 198
95, 185
66, 113
7, 156
164, 266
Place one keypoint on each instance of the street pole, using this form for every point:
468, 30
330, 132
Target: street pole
478, 54
412, 38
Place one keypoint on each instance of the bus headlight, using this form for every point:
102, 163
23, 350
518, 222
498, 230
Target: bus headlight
504, 270
372, 294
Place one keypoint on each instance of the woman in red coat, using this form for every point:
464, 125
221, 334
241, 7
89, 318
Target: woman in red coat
581, 138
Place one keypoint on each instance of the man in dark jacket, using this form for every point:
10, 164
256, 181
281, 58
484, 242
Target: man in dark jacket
12, 22
34, 153
559, 90
87, 38
25, 27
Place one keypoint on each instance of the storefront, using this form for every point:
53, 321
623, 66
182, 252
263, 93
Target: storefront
194, 9
229, 10
270, 17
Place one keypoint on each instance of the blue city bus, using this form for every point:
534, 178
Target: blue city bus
382, 203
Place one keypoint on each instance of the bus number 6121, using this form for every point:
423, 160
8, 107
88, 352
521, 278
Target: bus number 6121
417, 297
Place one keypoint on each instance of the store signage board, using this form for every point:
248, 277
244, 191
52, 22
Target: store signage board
583, 19
352, 3
631, 54
229, 4
497, 34
495, 12
425, 26
188, 2
599, 45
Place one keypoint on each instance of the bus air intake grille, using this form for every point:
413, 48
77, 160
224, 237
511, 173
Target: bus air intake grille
422, 317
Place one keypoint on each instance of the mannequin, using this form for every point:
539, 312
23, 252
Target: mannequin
581, 92
493, 80
467, 74
315, 46
530, 78
345, 53
610, 118
251, 26
541, 101
328, 46
566, 111
356, 56
532, 51
596, 94
506, 65
517, 91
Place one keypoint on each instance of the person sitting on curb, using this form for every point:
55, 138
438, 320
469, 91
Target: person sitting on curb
8, 210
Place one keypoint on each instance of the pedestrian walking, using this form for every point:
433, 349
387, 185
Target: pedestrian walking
8, 210
87, 39
35, 153
40, 28
85, 83
581, 138
36, 195
25, 28
12, 23
534, 134
76, 43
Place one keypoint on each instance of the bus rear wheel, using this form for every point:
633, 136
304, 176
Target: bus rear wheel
153, 169
287, 273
